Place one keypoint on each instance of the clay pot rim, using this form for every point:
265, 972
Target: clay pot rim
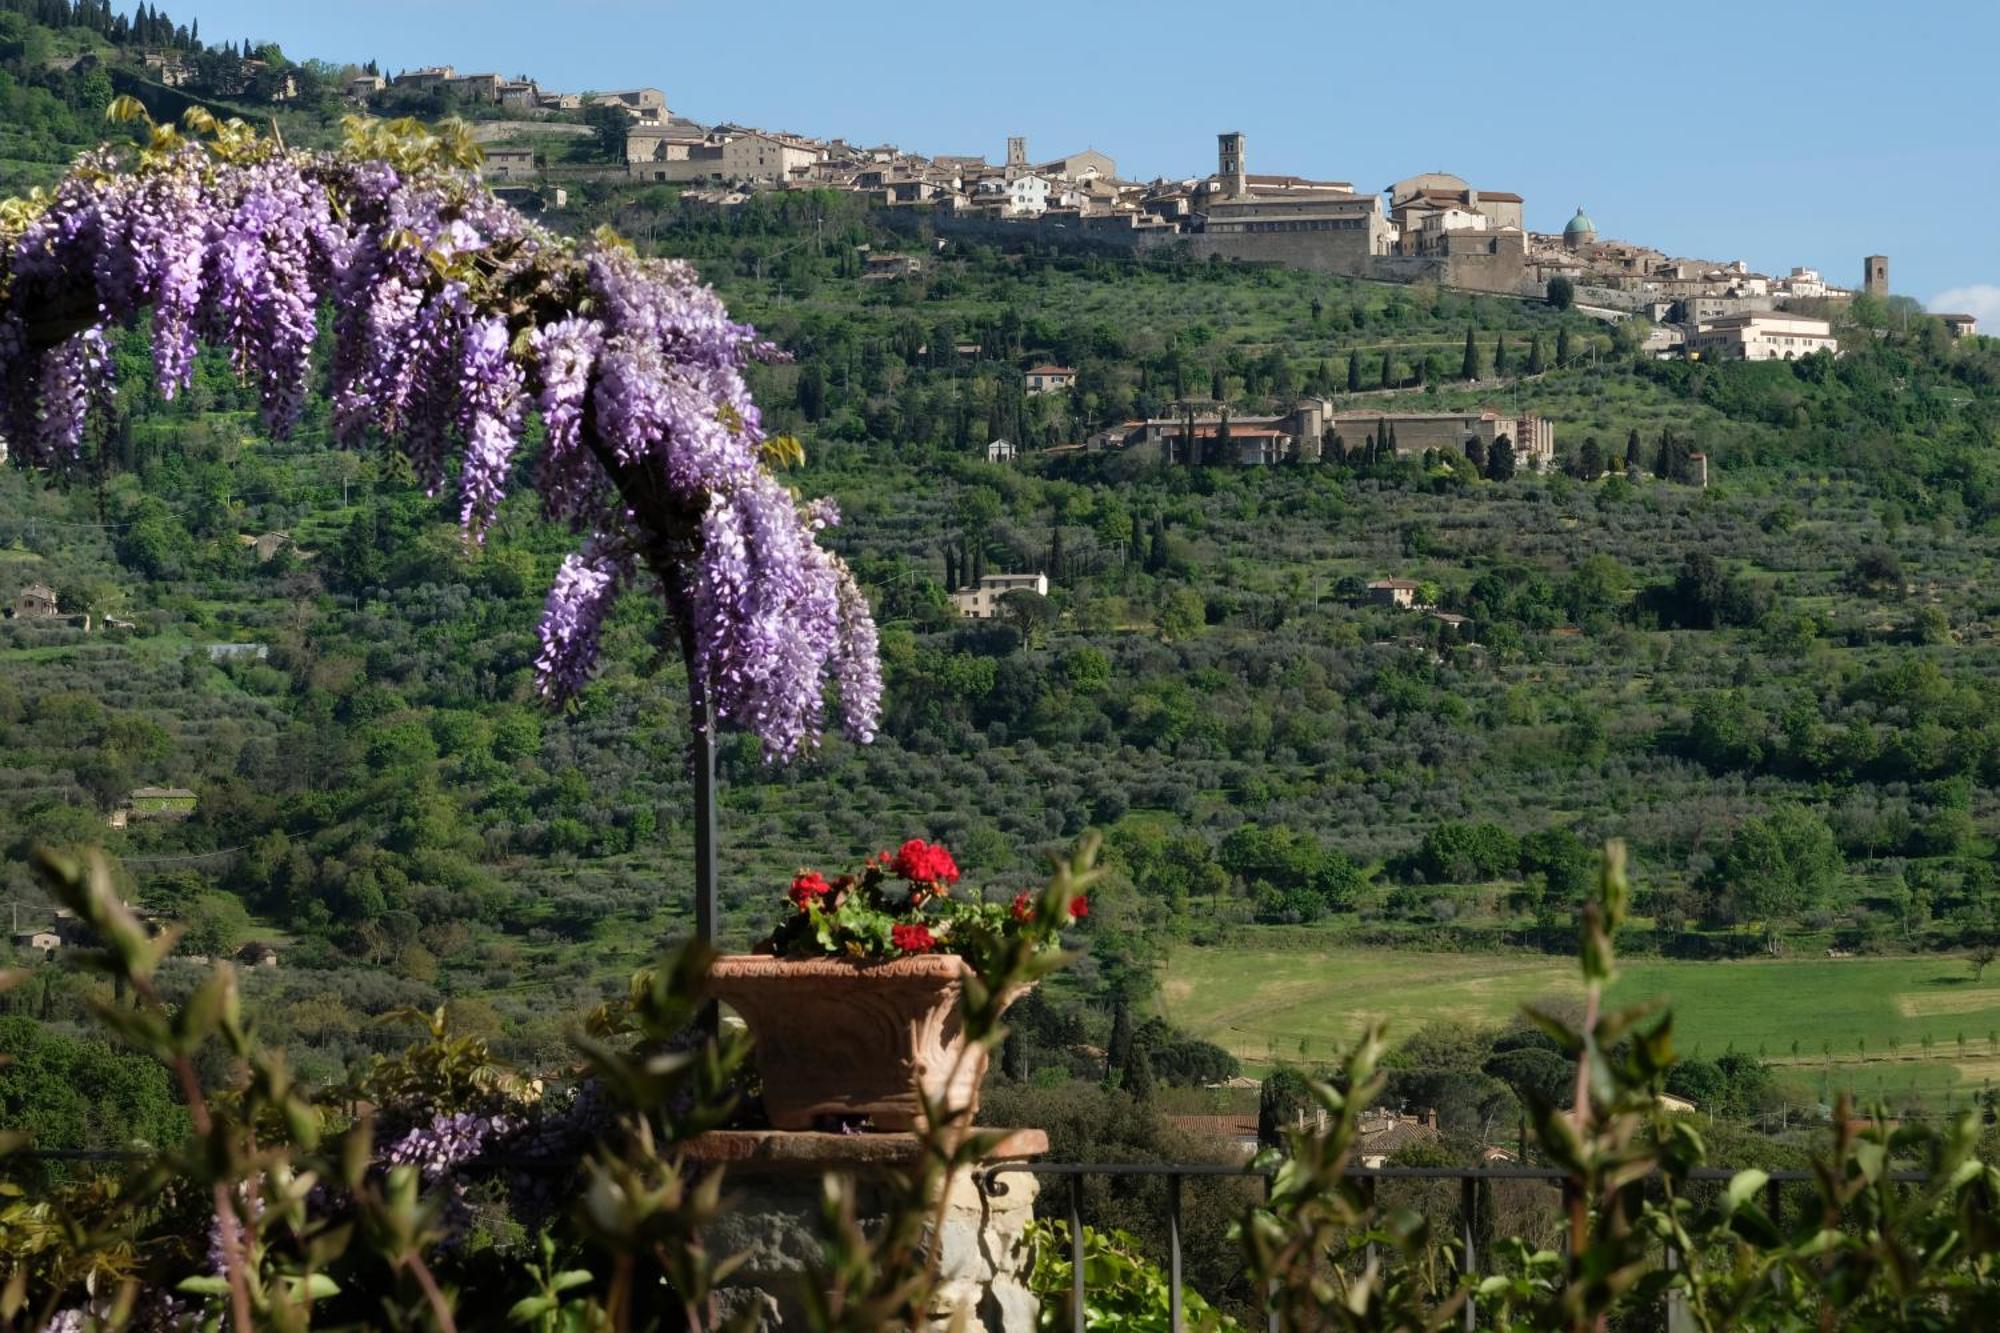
748, 965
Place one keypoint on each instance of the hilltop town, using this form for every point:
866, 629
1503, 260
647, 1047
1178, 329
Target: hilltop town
1430, 226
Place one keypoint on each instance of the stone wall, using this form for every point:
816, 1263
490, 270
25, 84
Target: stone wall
1346, 254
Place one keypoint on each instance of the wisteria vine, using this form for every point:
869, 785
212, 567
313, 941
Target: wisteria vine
453, 316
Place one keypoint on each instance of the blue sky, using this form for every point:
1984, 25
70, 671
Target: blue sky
1773, 131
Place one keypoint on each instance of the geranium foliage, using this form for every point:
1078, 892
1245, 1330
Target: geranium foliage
901, 903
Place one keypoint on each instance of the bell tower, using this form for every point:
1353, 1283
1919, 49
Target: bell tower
1229, 162
1017, 154
1875, 275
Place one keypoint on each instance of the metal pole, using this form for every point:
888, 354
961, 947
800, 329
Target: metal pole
1468, 1206
1271, 1290
1174, 1253
1076, 1253
701, 713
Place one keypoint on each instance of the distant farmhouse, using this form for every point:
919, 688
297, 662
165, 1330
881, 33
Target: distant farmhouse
1047, 379
983, 600
36, 601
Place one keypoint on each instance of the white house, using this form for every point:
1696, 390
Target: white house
1023, 196
982, 600
1048, 379
1001, 451
1762, 335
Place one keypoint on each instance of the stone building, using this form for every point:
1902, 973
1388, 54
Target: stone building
1768, 335
507, 164
757, 156
1875, 275
476, 87
1039, 380
648, 106
1436, 201
430, 79
37, 601
1533, 437
672, 152
982, 600
1399, 593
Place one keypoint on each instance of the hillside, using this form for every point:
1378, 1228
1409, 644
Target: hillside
1780, 688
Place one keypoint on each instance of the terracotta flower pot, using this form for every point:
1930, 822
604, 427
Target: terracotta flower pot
840, 1037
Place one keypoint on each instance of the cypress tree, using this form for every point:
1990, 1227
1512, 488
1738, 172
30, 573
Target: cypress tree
1392, 442
1590, 460
1014, 1057
1138, 1075
1354, 373
1499, 355
1632, 443
1388, 370
1562, 348
1500, 465
1663, 457
1119, 1052
1470, 370
1475, 454
1535, 366
1055, 552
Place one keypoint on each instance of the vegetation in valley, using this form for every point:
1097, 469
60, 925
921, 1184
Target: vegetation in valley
1779, 688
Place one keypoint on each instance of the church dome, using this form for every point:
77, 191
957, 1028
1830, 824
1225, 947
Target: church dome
1580, 227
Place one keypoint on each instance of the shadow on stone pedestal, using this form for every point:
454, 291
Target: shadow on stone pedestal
773, 1185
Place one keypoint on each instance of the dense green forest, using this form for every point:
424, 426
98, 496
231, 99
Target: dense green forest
1778, 688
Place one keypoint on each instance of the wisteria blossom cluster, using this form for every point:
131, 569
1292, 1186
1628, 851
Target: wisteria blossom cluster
454, 319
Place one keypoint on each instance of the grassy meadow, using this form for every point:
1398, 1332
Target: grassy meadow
1267, 1006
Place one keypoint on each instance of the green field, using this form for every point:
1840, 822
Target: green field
1261, 1004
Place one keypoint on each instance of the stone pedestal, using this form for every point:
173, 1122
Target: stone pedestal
773, 1182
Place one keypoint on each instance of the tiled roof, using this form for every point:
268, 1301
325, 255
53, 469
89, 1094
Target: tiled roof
1243, 1126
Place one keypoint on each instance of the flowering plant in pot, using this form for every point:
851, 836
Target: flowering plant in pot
854, 999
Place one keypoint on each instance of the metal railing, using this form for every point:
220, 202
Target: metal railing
1471, 1181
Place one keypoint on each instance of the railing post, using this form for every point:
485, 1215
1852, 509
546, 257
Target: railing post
1468, 1208
1174, 1253
1271, 1291
1368, 1201
1076, 1253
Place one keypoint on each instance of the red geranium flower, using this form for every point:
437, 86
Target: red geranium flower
926, 863
809, 885
1024, 907
912, 939
1079, 908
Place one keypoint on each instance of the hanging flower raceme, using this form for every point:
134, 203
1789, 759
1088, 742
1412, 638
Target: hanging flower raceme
453, 317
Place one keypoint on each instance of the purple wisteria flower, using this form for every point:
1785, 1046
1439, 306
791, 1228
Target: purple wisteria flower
454, 316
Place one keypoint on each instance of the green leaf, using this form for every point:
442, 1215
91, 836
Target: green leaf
1743, 1186
530, 1308
203, 1285
574, 1277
